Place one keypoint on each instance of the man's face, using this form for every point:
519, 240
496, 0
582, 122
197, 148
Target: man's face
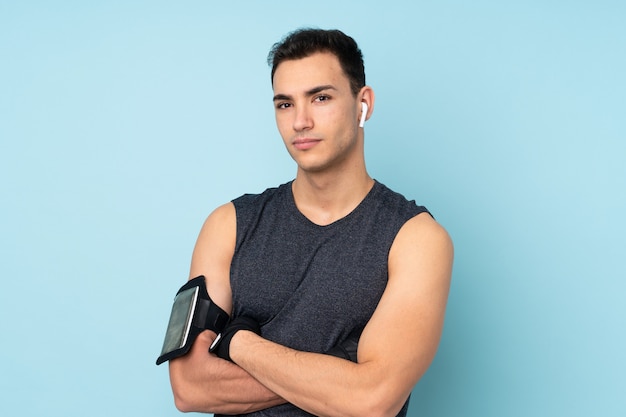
316, 113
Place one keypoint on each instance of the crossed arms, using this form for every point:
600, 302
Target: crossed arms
395, 348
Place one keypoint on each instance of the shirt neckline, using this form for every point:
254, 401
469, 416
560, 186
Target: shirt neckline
304, 219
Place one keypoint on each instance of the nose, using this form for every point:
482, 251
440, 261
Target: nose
303, 119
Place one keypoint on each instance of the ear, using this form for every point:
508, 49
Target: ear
365, 96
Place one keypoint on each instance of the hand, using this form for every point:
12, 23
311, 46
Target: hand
221, 346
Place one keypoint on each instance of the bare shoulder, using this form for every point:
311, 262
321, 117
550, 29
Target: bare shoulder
214, 251
422, 239
221, 221
218, 232
424, 226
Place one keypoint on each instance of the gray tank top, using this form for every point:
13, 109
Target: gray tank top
311, 286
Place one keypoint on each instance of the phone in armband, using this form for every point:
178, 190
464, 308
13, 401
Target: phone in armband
193, 312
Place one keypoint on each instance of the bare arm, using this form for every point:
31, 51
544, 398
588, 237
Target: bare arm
201, 381
395, 349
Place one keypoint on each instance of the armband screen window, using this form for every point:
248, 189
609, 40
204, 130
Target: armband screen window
192, 313
180, 320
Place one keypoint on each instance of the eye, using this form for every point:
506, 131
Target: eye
322, 97
283, 105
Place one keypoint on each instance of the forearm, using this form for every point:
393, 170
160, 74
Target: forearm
320, 384
201, 382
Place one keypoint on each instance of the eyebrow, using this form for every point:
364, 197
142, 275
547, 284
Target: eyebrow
308, 93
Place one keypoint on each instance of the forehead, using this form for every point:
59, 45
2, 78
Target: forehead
321, 68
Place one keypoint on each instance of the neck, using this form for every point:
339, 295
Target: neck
325, 198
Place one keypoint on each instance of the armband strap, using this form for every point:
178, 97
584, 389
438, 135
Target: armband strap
192, 313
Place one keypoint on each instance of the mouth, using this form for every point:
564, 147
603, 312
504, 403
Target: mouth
305, 143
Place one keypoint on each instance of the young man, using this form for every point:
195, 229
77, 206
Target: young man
330, 257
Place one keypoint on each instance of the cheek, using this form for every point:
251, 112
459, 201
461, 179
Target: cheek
283, 125
340, 119
343, 129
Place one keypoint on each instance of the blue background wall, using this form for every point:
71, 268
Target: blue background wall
124, 123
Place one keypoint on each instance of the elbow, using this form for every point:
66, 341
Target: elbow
186, 398
182, 400
179, 389
385, 410
379, 409
187, 401
381, 403
190, 397
373, 411
182, 405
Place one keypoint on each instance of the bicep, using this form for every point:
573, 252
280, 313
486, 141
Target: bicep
403, 334
213, 254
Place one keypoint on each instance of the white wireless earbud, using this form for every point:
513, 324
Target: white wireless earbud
363, 114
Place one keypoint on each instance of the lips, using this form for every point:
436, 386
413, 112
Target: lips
305, 143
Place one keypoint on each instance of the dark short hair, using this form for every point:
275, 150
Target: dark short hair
305, 42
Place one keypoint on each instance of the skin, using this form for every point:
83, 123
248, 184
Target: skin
317, 116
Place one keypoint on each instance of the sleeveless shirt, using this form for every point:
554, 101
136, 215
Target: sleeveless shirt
310, 286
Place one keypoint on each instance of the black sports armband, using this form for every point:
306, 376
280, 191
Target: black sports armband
192, 313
